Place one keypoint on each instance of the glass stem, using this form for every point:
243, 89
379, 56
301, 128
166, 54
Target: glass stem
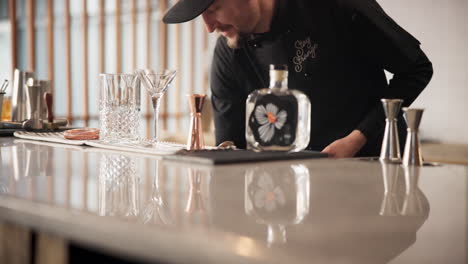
156, 102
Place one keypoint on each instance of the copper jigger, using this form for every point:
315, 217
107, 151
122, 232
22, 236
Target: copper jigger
195, 200
195, 139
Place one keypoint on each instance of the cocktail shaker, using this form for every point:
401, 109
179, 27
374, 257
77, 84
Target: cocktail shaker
44, 87
18, 99
35, 104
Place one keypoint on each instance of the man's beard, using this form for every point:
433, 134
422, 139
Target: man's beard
236, 41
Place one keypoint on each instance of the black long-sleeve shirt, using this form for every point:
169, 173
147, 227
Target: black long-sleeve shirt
336, 52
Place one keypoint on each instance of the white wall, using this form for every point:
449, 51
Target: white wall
442, 28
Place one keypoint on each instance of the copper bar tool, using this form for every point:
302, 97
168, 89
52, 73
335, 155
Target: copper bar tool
195, 139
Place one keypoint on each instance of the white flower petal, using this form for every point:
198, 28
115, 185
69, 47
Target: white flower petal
279, 194
271, 108
281, 119
259, 198
265, 182
270, 205
261, 115
266, 132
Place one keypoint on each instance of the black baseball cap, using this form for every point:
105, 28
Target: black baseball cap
186, 10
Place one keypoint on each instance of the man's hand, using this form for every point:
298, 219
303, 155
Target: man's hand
346, 147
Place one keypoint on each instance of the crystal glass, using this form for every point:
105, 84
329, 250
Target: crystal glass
156, 210
118, 186
156, 83
119, 108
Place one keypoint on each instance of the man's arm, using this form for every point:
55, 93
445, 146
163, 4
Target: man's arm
384, 45
227, 98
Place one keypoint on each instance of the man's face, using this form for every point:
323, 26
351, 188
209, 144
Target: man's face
232, 19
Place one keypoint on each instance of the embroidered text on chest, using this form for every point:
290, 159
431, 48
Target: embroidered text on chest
304, 50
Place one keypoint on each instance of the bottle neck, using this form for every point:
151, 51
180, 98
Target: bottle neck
278, 79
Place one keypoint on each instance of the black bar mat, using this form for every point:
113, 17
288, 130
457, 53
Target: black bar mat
6, 132
216, 157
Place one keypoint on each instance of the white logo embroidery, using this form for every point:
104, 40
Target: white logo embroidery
304, 50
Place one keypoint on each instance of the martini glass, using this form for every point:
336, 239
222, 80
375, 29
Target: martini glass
156, 83
156, 210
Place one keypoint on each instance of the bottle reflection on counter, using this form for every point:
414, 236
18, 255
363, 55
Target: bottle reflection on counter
277, 199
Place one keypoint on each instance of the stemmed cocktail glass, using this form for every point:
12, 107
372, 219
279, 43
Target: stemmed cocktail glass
156, 83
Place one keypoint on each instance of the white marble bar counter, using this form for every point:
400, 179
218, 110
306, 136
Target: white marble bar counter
307, 211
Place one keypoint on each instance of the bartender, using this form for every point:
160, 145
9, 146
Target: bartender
337, 52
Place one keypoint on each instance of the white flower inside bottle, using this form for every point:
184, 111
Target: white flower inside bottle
277, 118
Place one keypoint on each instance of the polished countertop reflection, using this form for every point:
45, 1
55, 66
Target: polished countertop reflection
305, 211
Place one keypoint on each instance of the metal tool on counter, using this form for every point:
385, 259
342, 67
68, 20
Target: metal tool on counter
49, 101
2, 93
195, 139
34, 105
10, 125
413, 204
391, 179
412, 155
18, 99
57, 124
50, 123
44, 87
4, 86
390, 151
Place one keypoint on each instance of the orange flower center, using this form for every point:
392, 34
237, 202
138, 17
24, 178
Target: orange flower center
271, 118
270, 196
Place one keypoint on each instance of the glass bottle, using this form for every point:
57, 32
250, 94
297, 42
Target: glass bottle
278, 196
277, 118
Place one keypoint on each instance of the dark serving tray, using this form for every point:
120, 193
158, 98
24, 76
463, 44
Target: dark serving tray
216, 157
7, 132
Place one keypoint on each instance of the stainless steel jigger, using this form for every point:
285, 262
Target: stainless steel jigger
413, 204
34, 109
195, 139
390, 204
412, 155
390, 151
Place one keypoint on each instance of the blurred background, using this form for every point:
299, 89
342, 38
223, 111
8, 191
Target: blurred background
71, 42
442, 29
